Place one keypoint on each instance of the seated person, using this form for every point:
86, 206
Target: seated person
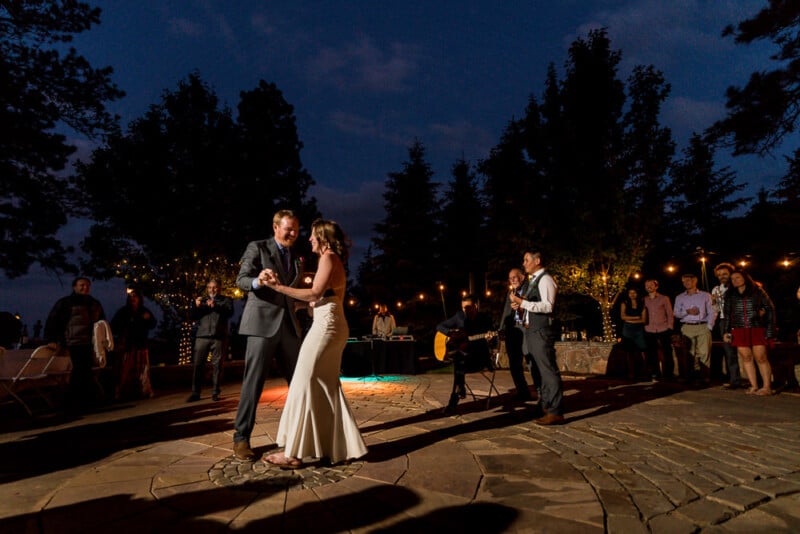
468, 356
383, 324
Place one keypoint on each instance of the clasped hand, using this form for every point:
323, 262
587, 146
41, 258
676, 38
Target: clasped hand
268, 277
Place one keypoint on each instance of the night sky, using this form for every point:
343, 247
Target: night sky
366, 80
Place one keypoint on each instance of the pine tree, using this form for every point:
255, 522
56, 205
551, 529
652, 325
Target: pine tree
462, 250
44, 93
173, 198
702, 198
406, 253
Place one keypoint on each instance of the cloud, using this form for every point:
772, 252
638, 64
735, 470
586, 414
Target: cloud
263, 24
686, 116
677, 36
463, 137
83, 149
357, 211
353, 124
181, 26
683, 39
362, 65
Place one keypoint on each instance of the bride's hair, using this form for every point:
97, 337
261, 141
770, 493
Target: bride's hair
329, 233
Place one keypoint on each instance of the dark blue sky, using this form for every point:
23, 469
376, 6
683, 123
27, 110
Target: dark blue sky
366, 80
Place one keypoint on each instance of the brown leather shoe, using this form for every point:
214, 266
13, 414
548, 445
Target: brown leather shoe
242, 451
550, 419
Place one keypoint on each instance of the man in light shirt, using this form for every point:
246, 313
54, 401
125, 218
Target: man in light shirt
694, 311
538, 303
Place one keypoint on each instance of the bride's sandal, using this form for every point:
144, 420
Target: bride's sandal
751, 391
763, 392
281, 460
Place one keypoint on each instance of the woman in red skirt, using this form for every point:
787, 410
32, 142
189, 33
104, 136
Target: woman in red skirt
751, 329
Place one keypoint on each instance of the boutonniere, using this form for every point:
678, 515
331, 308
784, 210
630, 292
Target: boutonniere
298, 262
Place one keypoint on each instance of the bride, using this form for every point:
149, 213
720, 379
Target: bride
317, 421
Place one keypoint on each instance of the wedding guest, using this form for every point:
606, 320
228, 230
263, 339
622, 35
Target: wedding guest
751, 328
130, 327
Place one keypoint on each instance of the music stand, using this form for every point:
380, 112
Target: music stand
373, 356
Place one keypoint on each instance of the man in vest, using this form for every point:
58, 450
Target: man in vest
538, 304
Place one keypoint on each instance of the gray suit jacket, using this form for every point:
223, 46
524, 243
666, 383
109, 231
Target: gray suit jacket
265, 308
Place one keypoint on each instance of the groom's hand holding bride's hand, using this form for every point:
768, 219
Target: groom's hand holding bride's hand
270, 278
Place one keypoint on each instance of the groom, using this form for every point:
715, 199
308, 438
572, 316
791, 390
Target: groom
268, 321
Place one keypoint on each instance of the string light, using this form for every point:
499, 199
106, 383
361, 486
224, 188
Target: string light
175, 284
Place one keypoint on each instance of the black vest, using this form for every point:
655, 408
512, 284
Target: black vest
537, 321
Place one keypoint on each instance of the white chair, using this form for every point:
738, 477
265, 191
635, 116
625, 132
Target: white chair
22, 370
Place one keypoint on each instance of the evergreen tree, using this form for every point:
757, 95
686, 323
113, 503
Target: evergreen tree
702, 198
462, 250
767, 108
597, 248
589, 174
649, 150
507, 177
406, 260
789, 186
269, 159
173, 198
44, 91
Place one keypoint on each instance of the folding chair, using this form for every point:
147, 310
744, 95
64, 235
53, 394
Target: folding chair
31, 374
488, 375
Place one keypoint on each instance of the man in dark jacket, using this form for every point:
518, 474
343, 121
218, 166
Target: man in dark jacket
212, 313
70, 325
511, 324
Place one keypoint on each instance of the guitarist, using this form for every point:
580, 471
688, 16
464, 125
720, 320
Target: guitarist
468, 356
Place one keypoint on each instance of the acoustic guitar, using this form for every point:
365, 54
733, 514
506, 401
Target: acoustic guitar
440, 342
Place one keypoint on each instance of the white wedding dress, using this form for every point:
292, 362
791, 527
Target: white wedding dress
317, 421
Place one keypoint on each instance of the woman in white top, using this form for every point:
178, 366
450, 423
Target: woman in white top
383, 324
